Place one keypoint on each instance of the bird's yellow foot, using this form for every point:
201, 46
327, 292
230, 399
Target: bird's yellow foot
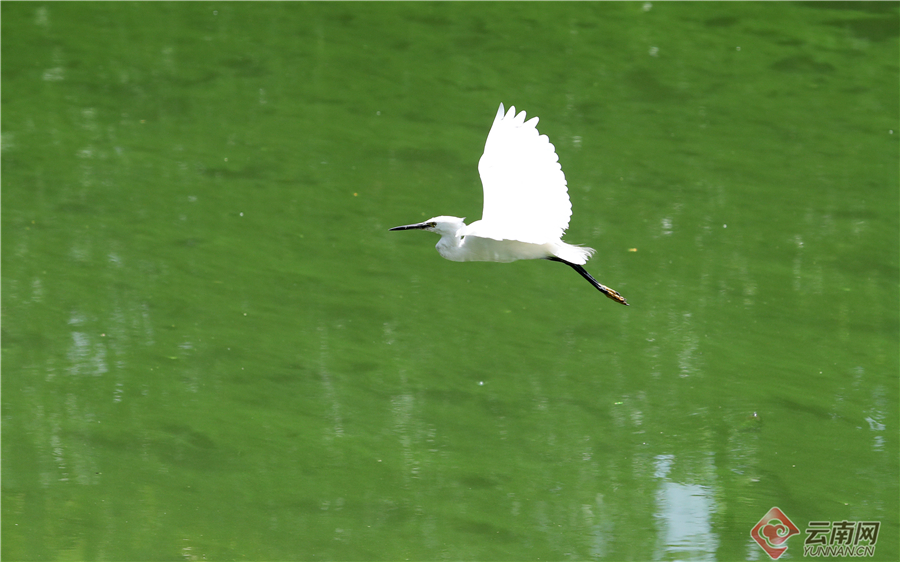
614, 295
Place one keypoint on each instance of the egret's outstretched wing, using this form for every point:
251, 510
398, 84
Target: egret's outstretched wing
525, 194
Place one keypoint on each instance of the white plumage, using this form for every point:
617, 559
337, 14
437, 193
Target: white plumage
526, 204
525, 193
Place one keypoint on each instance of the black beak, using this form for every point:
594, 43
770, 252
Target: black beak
419, 226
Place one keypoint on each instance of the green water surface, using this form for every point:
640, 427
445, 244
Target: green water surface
213, 348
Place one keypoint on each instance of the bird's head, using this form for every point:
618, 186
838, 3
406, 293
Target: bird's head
445, 226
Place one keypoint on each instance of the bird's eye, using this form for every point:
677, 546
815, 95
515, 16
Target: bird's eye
432, 224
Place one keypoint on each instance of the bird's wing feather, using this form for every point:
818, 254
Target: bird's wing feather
525, 193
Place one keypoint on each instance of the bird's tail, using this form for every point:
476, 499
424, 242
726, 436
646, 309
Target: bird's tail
574, 254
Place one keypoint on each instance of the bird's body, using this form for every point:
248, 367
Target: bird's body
461, 242
526, 204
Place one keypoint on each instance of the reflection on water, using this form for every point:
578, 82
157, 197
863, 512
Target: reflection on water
335, 428
685, 515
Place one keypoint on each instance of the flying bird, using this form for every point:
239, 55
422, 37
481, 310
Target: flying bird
526, 204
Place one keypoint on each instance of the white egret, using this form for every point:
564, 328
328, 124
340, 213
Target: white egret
526, 204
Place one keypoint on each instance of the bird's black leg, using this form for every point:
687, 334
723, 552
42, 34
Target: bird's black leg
611, 293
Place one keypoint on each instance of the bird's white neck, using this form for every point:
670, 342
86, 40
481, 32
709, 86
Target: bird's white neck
450, 247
